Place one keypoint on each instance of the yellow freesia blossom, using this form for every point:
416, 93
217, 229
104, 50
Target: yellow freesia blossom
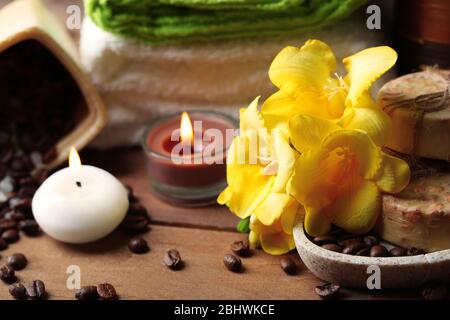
308, 84
340, 175
277, 238
259, 165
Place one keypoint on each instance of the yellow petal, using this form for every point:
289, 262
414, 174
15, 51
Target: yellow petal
297, 70
364, 68
247, 187
374, 121
277, 244
291, 217
274, 206
316, 223
250, 118
308, 132
286, 157
368, 155
394, 176
357, 210
253, 239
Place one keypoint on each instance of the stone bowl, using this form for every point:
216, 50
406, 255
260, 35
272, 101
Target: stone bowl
353, 271
25, 20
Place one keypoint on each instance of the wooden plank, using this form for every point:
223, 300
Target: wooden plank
145, 277
129, 166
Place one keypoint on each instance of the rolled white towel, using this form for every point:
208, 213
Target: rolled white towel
139, 82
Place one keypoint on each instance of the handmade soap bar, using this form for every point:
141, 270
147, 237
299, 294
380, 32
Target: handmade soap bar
419, 216
419, 106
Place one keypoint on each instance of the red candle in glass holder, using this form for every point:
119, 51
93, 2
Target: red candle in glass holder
187, 164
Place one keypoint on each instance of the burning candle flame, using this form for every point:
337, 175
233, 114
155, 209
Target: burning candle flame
74, 158
186, 131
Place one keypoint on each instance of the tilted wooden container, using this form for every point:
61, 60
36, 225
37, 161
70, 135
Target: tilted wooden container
25, 20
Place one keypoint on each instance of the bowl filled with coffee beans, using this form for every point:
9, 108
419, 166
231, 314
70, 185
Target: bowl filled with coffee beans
47, 103
366, 261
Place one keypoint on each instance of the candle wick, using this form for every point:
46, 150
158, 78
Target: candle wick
78, 184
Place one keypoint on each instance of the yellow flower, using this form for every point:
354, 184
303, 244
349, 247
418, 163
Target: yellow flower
308, 85
340, 175
276, 239
259, 166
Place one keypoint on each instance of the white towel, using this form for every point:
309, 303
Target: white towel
139, 82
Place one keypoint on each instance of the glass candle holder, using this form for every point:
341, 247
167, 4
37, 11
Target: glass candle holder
196, 177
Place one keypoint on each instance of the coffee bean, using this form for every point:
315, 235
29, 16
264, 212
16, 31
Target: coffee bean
332, 247
351, 241
106, 291
29, 227
21, 205
398, 252
49, 155
379, 251
3, 244
27, 191
288, 265
17, 261
18, 291
87, 293
435, 291
172, 259
370, 241
138, 245
363, 252
353, 248
36, 290
10, 236
232, 263
415, 252
241, 248
41, 175
16, 216
328, 290
135, 224
6, 224
7, 274
137, 209
321, 240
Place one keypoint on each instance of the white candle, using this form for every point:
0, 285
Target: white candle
80, 203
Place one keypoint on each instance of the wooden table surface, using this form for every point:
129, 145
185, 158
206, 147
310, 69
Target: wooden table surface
202, 236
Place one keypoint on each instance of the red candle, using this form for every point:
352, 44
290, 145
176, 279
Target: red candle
187, 156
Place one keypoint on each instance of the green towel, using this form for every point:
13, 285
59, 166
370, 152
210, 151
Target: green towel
187, 21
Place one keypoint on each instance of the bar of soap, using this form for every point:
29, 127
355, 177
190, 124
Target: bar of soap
419, 216
420, 128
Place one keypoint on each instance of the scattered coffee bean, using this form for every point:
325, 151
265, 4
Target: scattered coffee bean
87, 293
353, 248
36, 290
16, 216
350, 241
241, 248
363, 252
415, 252
17, 261
321, 240
232, 263
7, 274
6, 224
29, 227
10, 236
3, 244
370, 240
172, 259
106, 291
18, 291
328, 290
332, 247
135, 224
398, 252
138, 245
379, 251
288, 265
435, 291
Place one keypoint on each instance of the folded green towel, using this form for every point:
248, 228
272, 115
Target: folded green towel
187, 21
